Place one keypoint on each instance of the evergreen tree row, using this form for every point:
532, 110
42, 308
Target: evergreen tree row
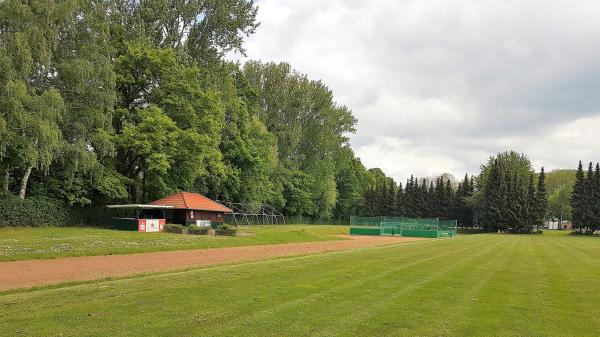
585, 200
511, 204
420, 199
505, 196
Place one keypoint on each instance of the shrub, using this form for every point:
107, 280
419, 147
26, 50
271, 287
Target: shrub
173, 228
525, 231
32, 212
196, 230
227, 230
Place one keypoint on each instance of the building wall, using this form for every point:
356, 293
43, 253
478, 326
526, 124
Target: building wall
188, 217
554, 224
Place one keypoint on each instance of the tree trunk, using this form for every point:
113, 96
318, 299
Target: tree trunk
24, 182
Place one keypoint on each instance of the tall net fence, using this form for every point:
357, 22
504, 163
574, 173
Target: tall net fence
402, 226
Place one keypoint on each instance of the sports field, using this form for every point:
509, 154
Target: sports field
474, 285
55, 242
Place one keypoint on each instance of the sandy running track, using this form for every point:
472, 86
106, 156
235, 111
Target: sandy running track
29, 273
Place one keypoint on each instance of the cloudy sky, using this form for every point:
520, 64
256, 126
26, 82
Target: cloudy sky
439, 86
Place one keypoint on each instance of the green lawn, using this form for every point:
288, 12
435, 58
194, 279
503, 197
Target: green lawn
474, 285
53, 242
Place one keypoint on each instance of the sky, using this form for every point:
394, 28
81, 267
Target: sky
439, 86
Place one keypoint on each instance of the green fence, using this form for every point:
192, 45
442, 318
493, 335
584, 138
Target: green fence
402, 226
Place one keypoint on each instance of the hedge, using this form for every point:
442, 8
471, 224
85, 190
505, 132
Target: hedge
173, 228
226, 230
33, 212
196, 230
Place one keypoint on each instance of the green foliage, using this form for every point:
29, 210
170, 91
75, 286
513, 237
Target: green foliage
226, 230
173, 228
540, 201
510, 161
32, 212
504, 201
350, 182
311, 130
462, 208
585, 200
559, 184
128, 101
249, 150
197, 230
207, 30
58, 94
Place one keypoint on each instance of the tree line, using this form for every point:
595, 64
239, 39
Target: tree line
505, 196
106, 101
437, 198
109, 101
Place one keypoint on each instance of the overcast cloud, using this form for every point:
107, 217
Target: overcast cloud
439, 86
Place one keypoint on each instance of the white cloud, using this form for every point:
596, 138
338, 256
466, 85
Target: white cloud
438, 86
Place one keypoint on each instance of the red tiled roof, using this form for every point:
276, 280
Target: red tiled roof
195, 201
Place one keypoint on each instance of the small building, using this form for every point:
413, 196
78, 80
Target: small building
555, 223
188, 208
140, 217
182, 208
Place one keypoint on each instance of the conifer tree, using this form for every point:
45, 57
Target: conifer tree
577, 200
463, 212
513, 202
410, 198
399, 208
439, 197
595, 224
432, 200
530, 203
381, 197
522, 195
541, 201
493, 199
423, 206
448, 201
390, 198
588, 199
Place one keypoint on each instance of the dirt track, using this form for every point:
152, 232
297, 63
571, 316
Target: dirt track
29, 273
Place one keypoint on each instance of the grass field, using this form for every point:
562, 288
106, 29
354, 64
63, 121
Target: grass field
474, 285
53, 242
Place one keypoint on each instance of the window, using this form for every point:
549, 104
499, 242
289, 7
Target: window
191, 214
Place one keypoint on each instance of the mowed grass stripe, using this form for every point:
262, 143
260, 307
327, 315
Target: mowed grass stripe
575, 281
506, 304
459, 304
387, 264
478, 285
555, 290
376, 317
